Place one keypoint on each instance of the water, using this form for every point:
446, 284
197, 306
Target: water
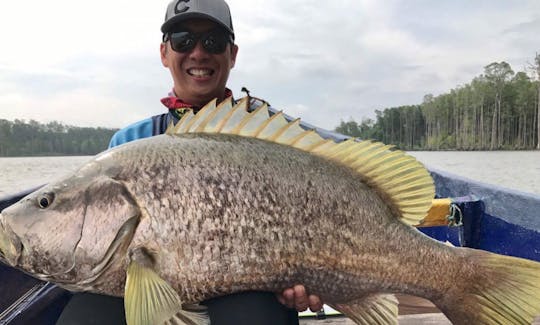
513, 169
20, 173
519, 170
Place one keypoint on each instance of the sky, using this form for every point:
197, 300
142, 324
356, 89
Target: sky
96, 63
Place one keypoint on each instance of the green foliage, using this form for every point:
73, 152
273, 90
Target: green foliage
364, 130
21, 138
497, 110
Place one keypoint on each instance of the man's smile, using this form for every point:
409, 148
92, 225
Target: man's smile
200, 72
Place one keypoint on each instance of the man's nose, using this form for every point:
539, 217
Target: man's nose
198, 51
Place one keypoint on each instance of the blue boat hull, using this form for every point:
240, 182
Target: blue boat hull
495, 219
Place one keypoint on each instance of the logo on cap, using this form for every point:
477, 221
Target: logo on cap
181, 7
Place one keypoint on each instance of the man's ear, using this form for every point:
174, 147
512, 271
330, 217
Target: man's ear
163, 49
234, 52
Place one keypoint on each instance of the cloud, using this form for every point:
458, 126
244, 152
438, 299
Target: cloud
323, 61
78, 107
87, 90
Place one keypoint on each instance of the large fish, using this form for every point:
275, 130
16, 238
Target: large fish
230, 201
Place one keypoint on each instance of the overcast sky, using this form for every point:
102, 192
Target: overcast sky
96, 63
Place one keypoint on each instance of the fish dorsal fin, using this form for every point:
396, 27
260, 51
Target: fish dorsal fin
399, 177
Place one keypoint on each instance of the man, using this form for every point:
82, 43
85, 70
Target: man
199, 51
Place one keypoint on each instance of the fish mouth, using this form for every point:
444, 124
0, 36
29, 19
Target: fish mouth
10, 245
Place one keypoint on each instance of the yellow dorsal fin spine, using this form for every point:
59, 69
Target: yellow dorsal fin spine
276, 118
235, 115
384, 160
183, 125
208, 115
195, 118
318, 144
401, 171
215, 121
399, 177
358, 158
170, 128
340, 148
267, 129
222, 116
375, 155
390, 161
397, 160
358, 151
306, 139
251, 122
287, 132
197, 125
328, 143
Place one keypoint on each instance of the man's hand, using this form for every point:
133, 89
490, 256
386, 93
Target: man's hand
297, 298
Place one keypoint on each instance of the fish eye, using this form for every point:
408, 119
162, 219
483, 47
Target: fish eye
45, 200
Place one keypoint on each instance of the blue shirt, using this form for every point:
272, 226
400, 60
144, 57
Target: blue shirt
157, 124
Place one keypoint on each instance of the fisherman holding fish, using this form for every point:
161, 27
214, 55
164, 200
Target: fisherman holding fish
198, 49
215, 210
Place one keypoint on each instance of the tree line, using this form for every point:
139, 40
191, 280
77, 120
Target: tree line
499, 109
21, 138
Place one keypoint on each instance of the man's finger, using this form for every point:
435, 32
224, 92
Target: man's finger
280, 298
300, 298
288, 297
315, 303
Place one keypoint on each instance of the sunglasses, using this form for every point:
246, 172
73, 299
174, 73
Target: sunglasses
214, 41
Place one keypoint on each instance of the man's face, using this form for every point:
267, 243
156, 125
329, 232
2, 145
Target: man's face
199, 76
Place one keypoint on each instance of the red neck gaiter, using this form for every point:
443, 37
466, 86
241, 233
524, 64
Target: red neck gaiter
178, 107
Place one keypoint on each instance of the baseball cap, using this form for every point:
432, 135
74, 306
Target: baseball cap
215, 10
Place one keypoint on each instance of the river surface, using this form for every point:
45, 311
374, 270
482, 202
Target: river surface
513, 169
519, 170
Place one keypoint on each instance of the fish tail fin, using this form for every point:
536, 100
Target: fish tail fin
500, 290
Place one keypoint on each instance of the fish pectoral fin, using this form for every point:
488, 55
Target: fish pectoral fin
150, 300
372, 309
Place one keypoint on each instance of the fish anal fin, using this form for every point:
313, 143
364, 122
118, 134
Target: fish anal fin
150, 300
373, 309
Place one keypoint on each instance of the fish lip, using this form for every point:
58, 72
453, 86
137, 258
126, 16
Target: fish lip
10, 245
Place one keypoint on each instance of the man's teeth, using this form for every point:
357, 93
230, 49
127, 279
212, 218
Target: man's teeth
200, 72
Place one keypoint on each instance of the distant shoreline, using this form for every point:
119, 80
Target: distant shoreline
21, 138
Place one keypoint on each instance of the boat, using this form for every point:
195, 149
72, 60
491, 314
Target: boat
477, 215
